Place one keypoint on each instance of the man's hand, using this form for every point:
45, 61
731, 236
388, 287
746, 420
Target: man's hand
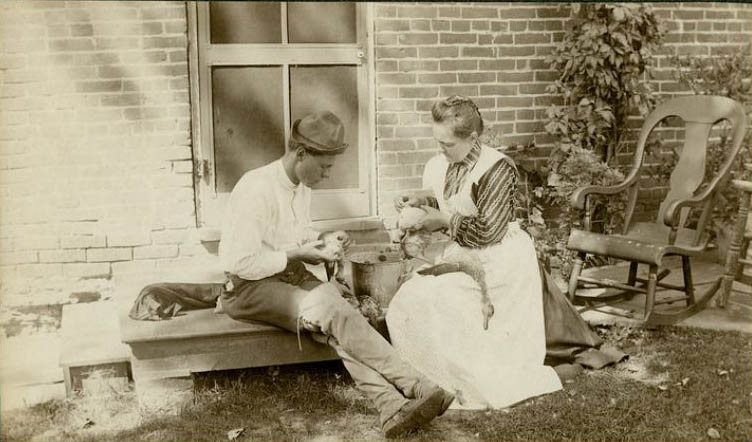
403, 201
311, 253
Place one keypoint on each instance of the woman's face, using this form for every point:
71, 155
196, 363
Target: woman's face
454, 149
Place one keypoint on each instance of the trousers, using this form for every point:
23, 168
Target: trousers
296, 300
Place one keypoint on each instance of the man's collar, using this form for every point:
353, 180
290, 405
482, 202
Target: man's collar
283, 178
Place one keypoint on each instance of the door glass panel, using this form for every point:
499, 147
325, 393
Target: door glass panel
333, 88
245, 22
321, 22
248, 120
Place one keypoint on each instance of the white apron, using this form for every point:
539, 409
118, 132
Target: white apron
436, 325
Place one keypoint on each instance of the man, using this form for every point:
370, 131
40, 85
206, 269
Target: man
266, 238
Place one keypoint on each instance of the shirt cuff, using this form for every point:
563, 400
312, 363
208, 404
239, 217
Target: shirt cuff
454, 224
278, 261
311, 235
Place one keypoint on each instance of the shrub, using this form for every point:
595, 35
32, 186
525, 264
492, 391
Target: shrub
603, 59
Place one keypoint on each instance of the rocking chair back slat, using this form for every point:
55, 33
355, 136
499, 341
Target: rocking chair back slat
689, 172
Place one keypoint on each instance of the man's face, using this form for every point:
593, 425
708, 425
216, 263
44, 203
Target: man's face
311, 169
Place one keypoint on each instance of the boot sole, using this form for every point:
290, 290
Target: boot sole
425, 410
445, 403
446, 400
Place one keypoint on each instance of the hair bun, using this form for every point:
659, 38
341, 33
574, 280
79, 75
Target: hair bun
465, 121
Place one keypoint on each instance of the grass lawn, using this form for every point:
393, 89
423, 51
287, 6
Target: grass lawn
677, 385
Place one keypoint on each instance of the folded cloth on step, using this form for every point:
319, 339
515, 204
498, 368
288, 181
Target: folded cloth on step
568, 337
165, 300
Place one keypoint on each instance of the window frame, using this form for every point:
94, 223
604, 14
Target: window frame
357, 206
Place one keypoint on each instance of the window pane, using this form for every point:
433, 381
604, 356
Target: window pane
248, 120
245, 22
321, 22
333, 88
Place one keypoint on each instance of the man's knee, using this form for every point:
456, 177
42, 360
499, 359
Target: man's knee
329, 294
328, 288
325, 301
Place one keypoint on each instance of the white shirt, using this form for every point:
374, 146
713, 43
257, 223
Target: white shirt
266, 215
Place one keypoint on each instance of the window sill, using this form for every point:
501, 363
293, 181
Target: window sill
213, 234
368, 223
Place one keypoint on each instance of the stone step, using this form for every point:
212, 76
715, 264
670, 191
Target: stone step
90, 340
165, 353
29, 373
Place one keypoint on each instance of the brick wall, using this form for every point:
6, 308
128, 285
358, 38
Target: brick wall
95, 149
95, 146
495, 54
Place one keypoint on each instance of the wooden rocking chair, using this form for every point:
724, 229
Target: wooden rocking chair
649, 242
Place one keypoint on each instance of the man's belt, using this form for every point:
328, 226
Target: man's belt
231, 282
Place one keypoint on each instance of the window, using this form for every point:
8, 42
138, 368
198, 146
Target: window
259, 67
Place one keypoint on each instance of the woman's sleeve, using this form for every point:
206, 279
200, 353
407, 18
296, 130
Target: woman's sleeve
432, 202
493, 196
430, 173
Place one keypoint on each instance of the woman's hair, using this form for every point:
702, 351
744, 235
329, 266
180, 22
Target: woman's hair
461, 112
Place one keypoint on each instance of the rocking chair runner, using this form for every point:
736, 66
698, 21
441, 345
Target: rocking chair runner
649, 242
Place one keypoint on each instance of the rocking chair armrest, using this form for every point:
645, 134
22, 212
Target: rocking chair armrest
579, 196
671, 216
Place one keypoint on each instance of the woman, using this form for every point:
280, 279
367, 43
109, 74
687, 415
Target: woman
435, 322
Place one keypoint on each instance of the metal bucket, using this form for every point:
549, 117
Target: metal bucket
376, 274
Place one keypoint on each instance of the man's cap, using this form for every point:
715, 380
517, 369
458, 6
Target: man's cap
320, 131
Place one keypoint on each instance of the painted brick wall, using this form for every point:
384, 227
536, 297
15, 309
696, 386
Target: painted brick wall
495, 54
95, 150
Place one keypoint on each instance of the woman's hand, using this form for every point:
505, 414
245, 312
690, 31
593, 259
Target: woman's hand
434, 220
407, 272
403, 201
